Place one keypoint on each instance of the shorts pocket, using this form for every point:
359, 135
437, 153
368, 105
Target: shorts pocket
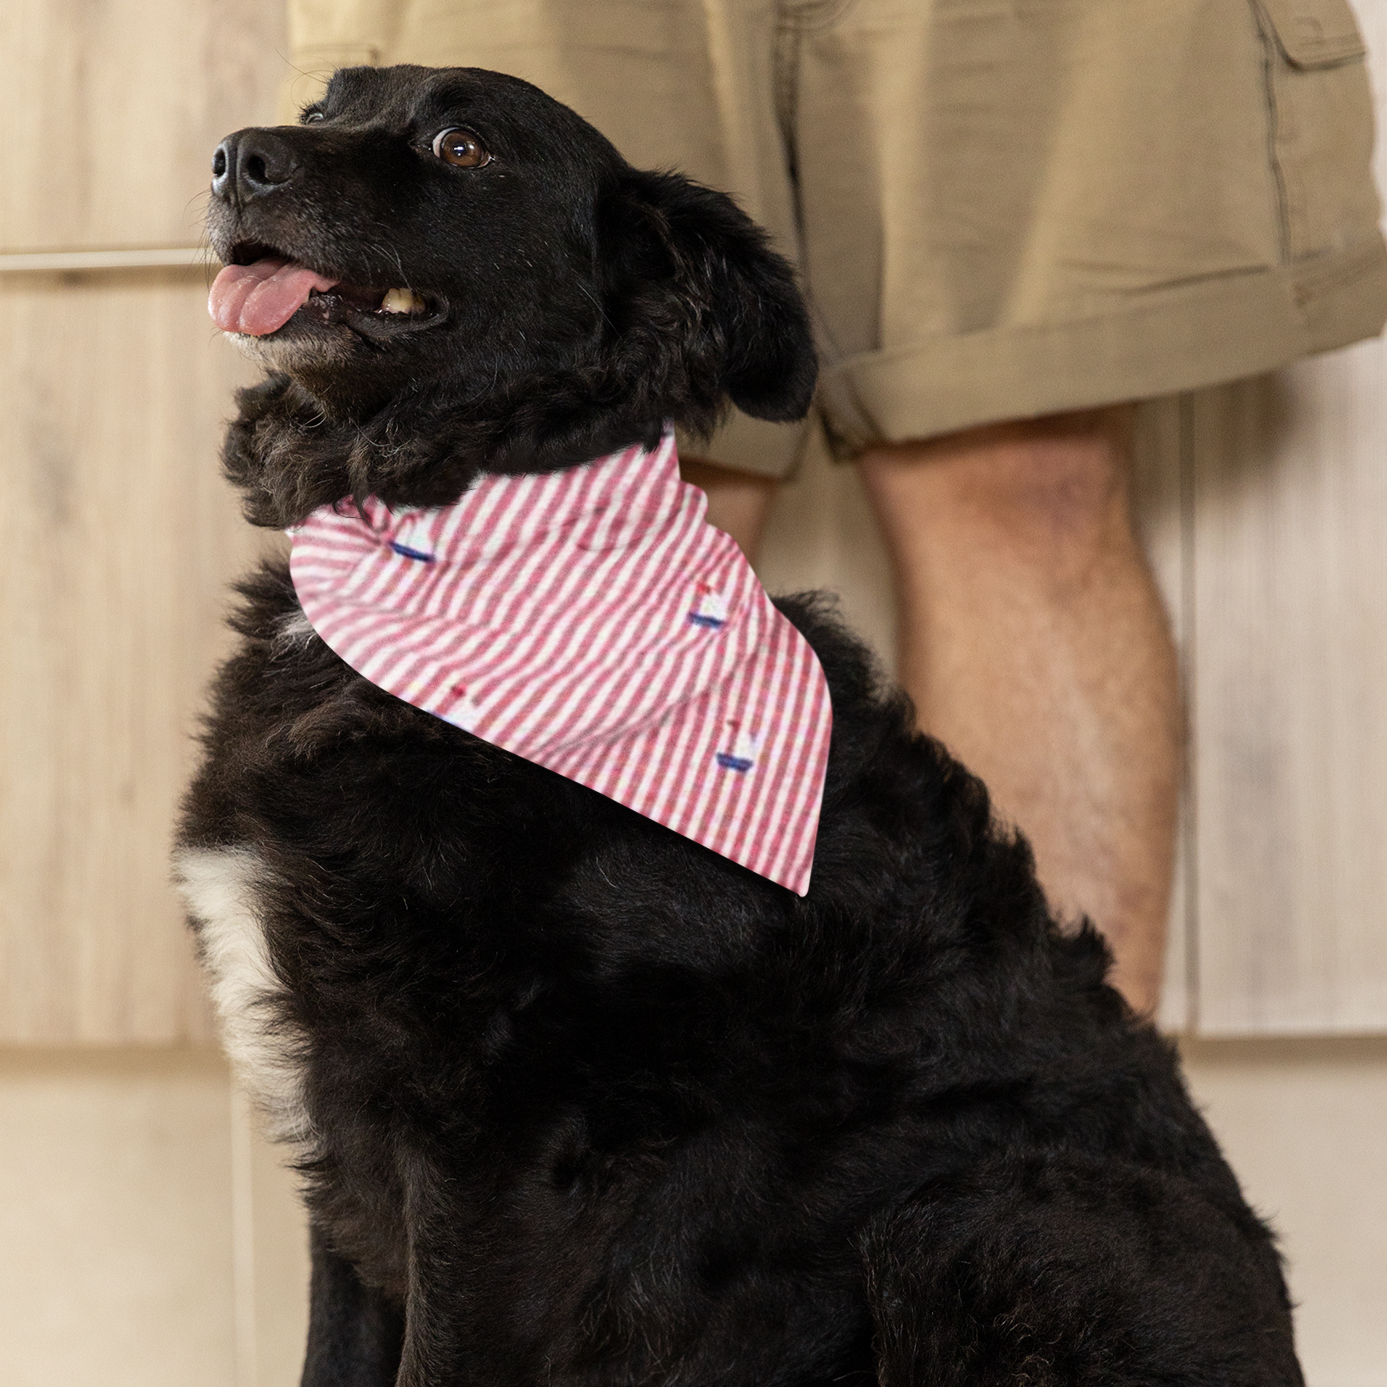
1321, 124
1314, 33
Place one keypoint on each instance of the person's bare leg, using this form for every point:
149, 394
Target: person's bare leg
738, 502
1035, 646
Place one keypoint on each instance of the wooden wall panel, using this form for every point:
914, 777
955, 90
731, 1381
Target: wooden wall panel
1270, 563
120, 537
1287, 556
1290, 699
111, 112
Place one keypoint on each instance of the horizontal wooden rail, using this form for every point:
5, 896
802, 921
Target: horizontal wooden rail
140, 258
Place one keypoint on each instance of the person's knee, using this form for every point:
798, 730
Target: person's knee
1040, 487
1050, 494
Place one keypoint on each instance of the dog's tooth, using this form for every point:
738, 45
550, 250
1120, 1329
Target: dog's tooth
402, 301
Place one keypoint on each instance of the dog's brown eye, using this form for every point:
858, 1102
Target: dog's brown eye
461, 148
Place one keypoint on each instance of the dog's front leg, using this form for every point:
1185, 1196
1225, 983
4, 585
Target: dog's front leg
435, 1323
355, 1334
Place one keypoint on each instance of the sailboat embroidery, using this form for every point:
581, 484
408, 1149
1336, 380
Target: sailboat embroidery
464, 712
742, 757
709, 609
411, 539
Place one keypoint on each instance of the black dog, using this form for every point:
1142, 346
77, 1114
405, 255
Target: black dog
579, 1101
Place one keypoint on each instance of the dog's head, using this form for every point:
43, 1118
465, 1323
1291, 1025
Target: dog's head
447, 271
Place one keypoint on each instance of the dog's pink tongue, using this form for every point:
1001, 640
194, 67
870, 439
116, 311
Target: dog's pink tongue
260, 298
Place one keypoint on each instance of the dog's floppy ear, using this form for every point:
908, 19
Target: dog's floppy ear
694, 280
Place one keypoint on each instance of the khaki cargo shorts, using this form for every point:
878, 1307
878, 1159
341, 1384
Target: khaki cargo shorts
1001, 208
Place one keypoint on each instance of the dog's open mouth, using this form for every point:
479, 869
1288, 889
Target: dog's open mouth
261, 289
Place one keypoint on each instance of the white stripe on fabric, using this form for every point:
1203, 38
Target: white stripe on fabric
551, 614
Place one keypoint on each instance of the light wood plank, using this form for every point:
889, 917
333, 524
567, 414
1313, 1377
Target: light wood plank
120, 538
58, 261
1290, 563
1288, 551
111, 112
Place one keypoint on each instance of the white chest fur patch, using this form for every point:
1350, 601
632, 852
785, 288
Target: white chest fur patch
221, 890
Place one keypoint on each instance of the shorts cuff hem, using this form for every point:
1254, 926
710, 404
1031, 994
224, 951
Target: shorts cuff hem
1177, 339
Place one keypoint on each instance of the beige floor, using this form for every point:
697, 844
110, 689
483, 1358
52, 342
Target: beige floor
147, 1241
1304, 1123
116, 1220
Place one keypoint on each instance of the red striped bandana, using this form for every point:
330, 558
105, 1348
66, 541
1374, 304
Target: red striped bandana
592, 622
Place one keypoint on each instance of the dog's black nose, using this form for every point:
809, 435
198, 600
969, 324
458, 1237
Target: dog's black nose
250, 164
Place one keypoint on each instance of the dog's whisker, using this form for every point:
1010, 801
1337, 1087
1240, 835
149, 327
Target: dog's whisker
597, 303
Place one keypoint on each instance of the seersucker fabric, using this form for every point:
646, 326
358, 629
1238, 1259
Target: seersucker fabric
593, 622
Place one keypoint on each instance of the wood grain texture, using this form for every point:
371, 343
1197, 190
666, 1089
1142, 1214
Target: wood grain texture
111, 112
119, 534
1271, 553
1287, 556
120, 538
1290, 699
